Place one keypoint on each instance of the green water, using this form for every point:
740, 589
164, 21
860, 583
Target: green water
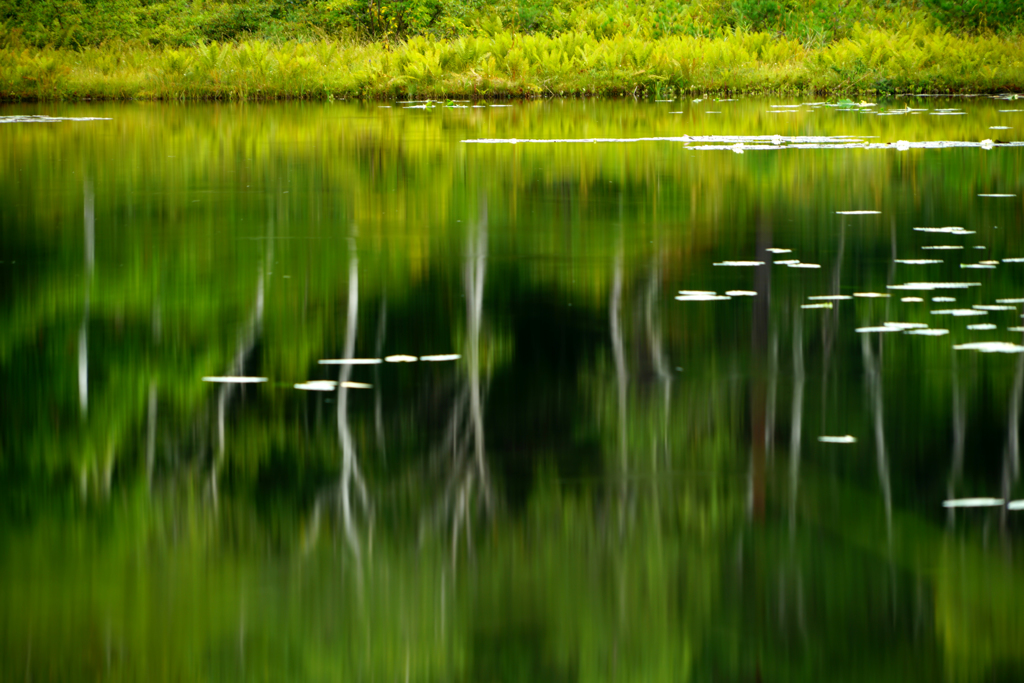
608, 483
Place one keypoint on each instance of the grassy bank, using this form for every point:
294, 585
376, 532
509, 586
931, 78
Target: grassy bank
271, 49
516, 65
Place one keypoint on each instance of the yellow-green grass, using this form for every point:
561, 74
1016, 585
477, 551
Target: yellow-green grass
509, 65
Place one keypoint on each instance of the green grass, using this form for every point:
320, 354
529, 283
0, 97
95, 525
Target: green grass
380, 49
508, 64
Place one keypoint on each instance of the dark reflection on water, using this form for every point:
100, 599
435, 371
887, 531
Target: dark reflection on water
607, 483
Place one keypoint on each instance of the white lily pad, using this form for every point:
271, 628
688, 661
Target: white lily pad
991, 347
701, 296
948, 230
932, 286
317, 385
351, 361
960, 312
235, 380
972, 503
906, 326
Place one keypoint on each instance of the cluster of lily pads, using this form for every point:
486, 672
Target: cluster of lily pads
331, 385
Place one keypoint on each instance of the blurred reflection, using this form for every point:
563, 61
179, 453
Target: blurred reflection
248, 337
351, 476
90, 263
579, 482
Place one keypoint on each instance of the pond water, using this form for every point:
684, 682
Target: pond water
550, 391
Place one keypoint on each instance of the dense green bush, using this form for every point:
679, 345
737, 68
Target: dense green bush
976, 15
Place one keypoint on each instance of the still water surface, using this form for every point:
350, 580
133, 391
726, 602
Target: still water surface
731, 391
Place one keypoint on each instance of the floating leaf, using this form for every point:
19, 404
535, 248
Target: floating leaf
991, 347
906, 326
317, 385
701, 297
932, 286
949, 230
235, 380
960, 312
972, 502
837, 439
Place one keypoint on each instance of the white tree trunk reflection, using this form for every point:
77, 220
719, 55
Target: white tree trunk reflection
476, 269
874, 374
247, 339
89, 219
351, 476
462, 453
658, 360
959, 437
1011, 457
619, 356
797, 417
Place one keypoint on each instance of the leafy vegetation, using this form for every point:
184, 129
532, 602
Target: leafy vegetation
128, 49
